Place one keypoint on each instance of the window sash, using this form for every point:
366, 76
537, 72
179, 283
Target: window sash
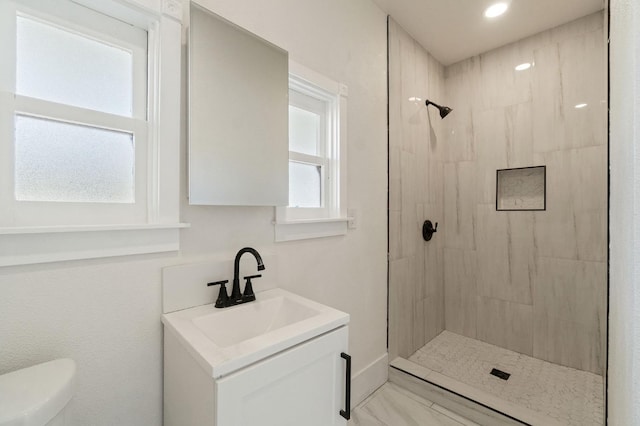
310, 97
102, 28
319, 107
87, 23
322, 163
29, 213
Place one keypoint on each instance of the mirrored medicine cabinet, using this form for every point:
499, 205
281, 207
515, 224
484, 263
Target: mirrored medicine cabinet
238, 115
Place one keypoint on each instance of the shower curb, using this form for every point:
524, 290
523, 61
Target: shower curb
454, 396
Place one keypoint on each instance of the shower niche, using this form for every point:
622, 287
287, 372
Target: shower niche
521, 189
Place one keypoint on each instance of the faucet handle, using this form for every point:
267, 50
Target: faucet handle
249, 295
223, 299
249, 277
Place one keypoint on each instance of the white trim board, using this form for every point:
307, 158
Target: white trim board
369, 379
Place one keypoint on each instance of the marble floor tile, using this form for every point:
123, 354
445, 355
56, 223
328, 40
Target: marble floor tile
453, 415
393, 406
561, 394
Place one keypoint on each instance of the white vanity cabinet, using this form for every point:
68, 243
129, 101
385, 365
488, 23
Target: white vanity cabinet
303, 385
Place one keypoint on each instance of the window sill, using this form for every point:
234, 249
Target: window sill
309, 228
29, 245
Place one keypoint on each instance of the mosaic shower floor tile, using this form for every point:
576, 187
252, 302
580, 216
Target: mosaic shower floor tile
566, 395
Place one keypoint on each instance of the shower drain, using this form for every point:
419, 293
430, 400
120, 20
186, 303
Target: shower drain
500, 374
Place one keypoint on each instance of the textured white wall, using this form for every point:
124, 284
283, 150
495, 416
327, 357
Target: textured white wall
105, 313
624, 300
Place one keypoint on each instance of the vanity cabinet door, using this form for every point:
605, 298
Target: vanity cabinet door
304, 385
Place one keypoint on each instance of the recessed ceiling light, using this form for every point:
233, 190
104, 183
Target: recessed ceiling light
523, 67
496, 10
414, 99
581, 106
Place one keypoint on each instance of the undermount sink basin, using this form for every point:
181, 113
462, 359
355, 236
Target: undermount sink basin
225, 340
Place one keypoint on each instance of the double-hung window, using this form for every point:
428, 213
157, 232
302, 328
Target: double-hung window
78, 136
317, 158
75, 112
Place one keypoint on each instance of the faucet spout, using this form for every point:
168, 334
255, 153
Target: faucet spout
236, 295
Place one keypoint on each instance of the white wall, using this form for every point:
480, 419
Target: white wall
105, 313
624, 299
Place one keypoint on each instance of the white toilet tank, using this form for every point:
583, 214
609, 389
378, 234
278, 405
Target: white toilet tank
38, 395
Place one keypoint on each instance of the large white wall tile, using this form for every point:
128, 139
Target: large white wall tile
463, 87
409, 220
587, 24
416, 143
434, 316
459, 204
433, 266
591, 234
395, 235
576, 196
504, 139
582, 73
505, 324
571, 290
570, 295
410, 111
502, 85
435, 191
548, 103
460, 300
568, 343
400, 310
506, 260
568, 73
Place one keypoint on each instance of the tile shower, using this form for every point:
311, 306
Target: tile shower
530, 282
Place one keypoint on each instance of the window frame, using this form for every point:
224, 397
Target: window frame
25, 213
155, 228
295, 223
303, 96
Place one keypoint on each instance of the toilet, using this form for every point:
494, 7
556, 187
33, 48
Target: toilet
37, 395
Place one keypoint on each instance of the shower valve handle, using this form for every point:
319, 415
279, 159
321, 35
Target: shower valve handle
428, 230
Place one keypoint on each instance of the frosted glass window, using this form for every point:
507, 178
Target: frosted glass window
65, 67
57, 161
305, 185
304, 131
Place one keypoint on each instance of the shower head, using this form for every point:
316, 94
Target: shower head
444, 111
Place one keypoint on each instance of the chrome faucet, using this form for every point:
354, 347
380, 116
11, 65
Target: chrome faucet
237, 297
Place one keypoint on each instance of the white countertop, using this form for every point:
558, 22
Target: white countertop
222, 359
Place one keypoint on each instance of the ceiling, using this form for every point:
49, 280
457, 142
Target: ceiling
453, 30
